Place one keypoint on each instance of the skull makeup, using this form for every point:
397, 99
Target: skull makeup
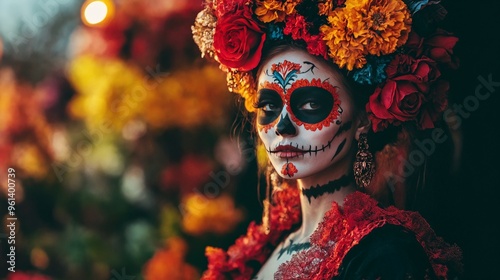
304, 116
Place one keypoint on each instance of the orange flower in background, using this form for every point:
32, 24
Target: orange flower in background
203, 214
24, 131
168, 263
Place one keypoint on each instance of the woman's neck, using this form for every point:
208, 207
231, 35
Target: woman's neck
317, 196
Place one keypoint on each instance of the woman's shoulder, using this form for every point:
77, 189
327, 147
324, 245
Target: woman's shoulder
391, 243
387, 252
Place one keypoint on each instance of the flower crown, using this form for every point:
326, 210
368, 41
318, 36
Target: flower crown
393, 45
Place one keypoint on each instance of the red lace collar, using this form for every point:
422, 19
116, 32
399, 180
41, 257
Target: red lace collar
341, 229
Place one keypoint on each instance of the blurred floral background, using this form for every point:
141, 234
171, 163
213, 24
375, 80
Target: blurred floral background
123, 142
131, 156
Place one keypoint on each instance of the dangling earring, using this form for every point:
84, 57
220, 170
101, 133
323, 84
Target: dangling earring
364, 166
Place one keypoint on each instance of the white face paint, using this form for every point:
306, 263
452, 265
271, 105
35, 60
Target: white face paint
305, 114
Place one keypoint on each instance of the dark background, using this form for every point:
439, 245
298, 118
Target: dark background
472, 196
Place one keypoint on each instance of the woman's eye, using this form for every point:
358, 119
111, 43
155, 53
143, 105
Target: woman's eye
270, 108
309, 106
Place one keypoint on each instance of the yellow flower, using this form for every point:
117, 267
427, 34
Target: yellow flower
375, 27
205, 214
275, 10
111, 91
107, 91
243, 84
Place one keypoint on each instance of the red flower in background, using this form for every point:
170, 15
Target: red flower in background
18, 275
438, 47
238, 40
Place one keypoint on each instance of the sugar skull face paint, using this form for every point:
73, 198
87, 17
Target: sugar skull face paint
304, 115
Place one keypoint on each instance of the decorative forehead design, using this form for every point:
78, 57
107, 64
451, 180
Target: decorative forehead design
284, 73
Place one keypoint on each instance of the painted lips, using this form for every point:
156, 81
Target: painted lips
288, 151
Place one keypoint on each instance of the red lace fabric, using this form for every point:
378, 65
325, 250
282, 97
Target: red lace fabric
340, 230
250, 251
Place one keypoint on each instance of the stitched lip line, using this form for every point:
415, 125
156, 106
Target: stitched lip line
294, 150
291, 148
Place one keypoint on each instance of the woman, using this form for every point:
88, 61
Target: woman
330, 83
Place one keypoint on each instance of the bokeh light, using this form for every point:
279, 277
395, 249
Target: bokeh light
96, 13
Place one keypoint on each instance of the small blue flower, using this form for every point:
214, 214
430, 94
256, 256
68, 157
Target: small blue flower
275, 32
416, 5
373, 72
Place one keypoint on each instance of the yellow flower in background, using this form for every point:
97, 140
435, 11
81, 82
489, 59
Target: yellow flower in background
113, 92
109, 91
30, 159
202, 214
168, 263
188, 98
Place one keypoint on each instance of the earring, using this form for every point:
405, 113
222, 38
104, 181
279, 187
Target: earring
364, 166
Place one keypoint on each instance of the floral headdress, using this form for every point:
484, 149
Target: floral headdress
393, 45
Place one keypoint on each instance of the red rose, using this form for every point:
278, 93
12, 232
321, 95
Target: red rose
404, 67
438, 47
421, 72
238, 40
395, 102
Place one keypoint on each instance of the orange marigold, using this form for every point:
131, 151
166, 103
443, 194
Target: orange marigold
375, 27
275, 10
386, 23
173, 255
243, 84
345, 48
325, 7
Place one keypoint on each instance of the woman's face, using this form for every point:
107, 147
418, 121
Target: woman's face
304, 116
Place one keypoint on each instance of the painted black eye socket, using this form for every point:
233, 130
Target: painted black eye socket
311, 104
269, 106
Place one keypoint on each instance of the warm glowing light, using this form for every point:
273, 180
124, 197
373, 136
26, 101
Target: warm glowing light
96, 12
